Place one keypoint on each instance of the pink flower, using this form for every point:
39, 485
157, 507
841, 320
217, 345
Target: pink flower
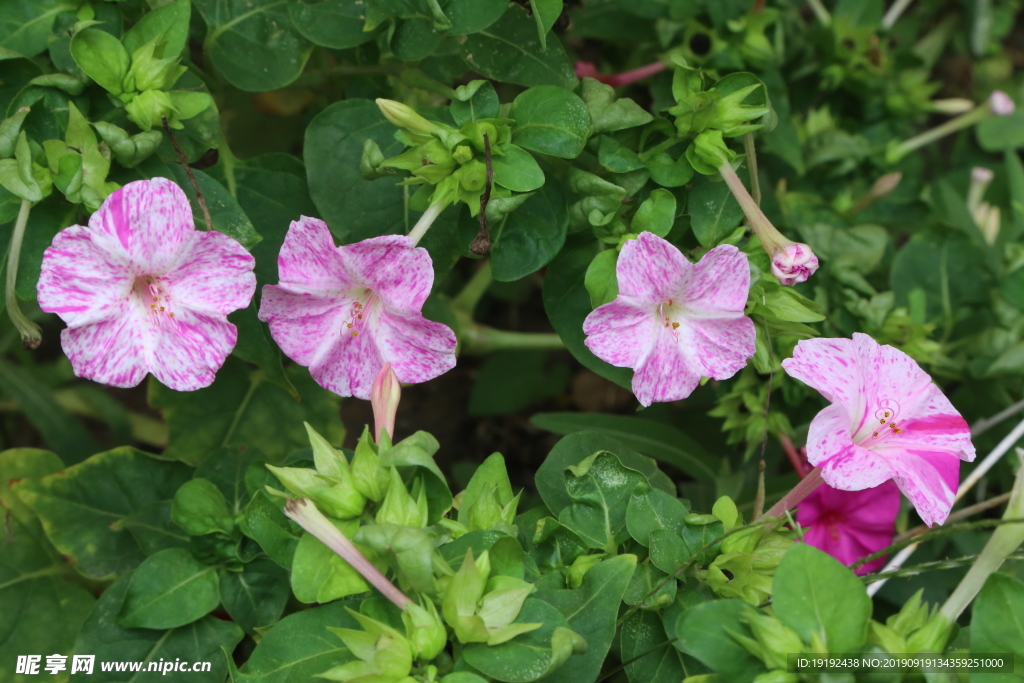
887, 421
346, 311
142, 290
1001, 103
849, 525
674, 321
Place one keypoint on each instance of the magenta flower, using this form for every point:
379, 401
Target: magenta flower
887, 421
346, 311
142, 290
673, 321
849, 525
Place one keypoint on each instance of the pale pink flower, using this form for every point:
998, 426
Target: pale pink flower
849, 525
346, 311
142, 290
887, 421
1001, 103
673, 321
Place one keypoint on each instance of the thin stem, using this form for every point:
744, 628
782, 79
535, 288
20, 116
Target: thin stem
304, 513
755, 217
990, 460
955, 517
755, 182
470, 295
191, 176
31, 336
228, 160
894, 13
807, 485
979, 113
425, 221
759, 497
819, 11
793, 455
625, 78
482, 242
480, 339
982, 426
917, 569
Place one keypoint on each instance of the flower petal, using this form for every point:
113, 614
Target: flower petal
303, 325
188, 349
418, 349
652, 270
664, 374
620, 332
214, 276
844, 464
81, 280
718, 348
151, 220
399, 273
110, 352
347, 364
720, 283
929, 480
831, 366
309, 261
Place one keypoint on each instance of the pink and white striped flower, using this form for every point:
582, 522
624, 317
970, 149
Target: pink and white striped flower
673, 321
887, 421
142, 290
346, 311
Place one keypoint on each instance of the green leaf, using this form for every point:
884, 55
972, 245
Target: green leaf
153, 530
600, 487
714, 212
655, 439
567, 304
814, 593
997, 623
656, 215
704, 632
600, 279
609, 114
651, 510
102, 57
517, 170
26, 25
59, 429
545, 13
616, 157
168, 590
1002, 133
483, 103
256, 596
669, 172
266, 524
669, 551
509, 51
320, 575
414, 38
528, 238
472, 16
336, 24
253, 43
591, 611
356, 208
199, 508
82, 507
642, 632
650, 588
531, 655
299, 647
44, 612
167, 24
550, 120
244, 409
230, 470
950, 268
200, 641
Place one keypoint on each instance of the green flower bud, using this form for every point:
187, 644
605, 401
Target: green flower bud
473, 176
342, 502
406, 117
931, 637
912, 616
733, 116
580, 566
149, 73
372, 160
477, 130
463, 595
368, 476
462, 153
128, 150
778, 640
425, 630
149, 108
383, 653
399, 507
708, 150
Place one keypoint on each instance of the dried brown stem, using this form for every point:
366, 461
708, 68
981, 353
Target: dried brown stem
482, 242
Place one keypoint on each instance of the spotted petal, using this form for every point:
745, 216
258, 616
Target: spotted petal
399, 273
651, 270
664, 374
929, 479
82, 279
620, 332
844, 464
718, 348
186, 351
418, 349
309, 261
720, 283
111, 352
832, 367
214, 275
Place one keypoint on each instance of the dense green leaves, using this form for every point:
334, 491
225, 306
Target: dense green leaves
705, 632
169, 589
550, 120
997, 621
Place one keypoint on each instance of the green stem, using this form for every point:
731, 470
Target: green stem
979, 113
470, 295
819, 11
480, 339
31, 336
425, 221
228, 161
755, 182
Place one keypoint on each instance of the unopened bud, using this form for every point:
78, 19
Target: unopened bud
384, 397
1001, 103
953, 105
980, 179
884, 186
401, 508
425, 630
794, 263
987, 218
406, 117
149, 108
369, 477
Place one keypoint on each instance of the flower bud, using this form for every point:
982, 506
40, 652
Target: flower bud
384, 397
912, 616
477, 130
709, 148
149, 73
369, 477
1001, 103
793, 263
401, 508
406, 117
385, 653
371, 161
931, 637
149, 108
473, 176
778, 640
425, 630
988, 219
953, 105
462, 154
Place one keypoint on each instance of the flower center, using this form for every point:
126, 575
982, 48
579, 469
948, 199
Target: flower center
886, 424
832, 521
360, 310
667, 313
155, 299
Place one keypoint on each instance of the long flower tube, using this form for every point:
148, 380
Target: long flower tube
997, 104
